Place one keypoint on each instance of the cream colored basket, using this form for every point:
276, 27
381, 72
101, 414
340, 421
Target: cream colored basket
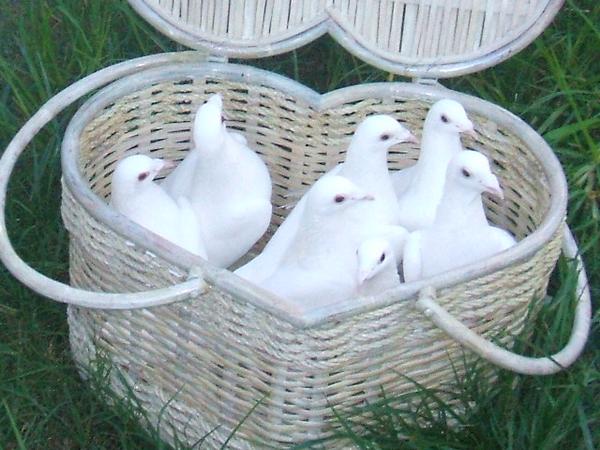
200, 346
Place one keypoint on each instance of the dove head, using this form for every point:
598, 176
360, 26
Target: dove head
374, 255
471, 171
209, 126
334, 193
137, 171
380, 132
449, 117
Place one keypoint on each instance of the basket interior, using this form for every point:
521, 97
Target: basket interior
298, 141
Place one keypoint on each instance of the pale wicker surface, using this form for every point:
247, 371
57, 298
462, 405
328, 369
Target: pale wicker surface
413, 37
211, 359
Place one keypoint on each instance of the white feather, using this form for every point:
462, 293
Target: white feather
227, 184
419, 188
365, 166
135, 195
458, 236
319, 266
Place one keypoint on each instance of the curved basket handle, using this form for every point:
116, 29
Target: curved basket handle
504, 358
46, 286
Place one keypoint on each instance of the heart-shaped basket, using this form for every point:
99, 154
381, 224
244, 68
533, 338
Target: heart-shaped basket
200, 347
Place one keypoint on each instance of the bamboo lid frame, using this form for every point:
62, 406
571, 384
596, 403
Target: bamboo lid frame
415, 38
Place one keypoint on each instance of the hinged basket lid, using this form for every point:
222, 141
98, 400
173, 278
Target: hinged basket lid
416, 38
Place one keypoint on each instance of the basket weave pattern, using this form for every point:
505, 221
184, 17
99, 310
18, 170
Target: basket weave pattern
408, 31
212, 358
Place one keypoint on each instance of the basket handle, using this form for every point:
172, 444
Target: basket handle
48, 287
504, 358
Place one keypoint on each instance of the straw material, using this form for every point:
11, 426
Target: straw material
412, 37
211, 359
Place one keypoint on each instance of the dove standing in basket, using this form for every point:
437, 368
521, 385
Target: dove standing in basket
227, 183
320, 264
458, 235
135, 195
366, 166
419, 188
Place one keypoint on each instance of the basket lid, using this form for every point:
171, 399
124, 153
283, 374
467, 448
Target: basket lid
416, 38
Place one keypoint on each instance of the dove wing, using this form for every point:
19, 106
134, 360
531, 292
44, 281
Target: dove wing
309, 288
239, 137
261, 267
502, 239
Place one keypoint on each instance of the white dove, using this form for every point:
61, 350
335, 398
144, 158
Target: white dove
419, 188
458, 236
135, 195
377, 266
320, 264
227, 184
365, 166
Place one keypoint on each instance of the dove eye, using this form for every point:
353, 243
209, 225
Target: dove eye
384, 137
466, 173
444, 118
382, 258
339, 198
142, 176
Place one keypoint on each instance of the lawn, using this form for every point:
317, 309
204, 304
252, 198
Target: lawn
554, 85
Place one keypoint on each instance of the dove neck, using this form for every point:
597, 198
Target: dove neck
367, 168
213, 146
360, 160
459, 207
122, 189
320, 235
386, 278
437, 149
208, 151
126, 196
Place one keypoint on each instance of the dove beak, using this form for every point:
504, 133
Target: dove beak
369, 197
492, 187
164, 165
412, 139
361, 196
469, 130
363, 275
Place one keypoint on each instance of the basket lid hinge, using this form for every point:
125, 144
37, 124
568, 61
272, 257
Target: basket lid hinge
217, 58
426, 81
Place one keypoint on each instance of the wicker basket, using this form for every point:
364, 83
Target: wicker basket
200, 346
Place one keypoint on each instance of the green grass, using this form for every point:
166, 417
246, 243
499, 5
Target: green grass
554, 85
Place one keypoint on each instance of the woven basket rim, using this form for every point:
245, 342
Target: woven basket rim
246, 292
354, 42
